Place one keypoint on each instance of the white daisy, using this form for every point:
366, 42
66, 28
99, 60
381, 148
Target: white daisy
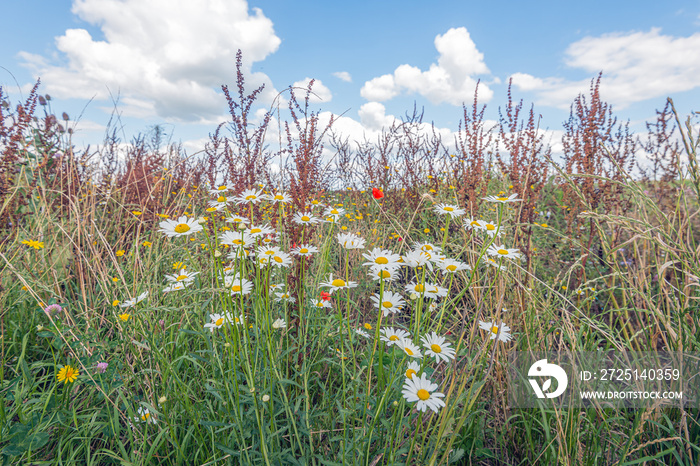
249, 196
145, 416
492, 263
417, 258
419, 389
434, 291
279, 323
473, 224
409, 348
504, 334
176, 286
284, 296
133, 301
237, 240
490, 228
237, 285
391, 302
502, 199
350, 241
502, 251
305, 218
333, 213
304, 250
217, 321
182, 276
412, 370
381, 273
183, 226
452, 266
219, 203
392, 336
281, 259
237, 219
437, 347
279, 197
447, 209
337, 284
260, 230
361, 332
222, 189
382, 258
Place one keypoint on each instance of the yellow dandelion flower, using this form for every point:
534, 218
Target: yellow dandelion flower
67, 374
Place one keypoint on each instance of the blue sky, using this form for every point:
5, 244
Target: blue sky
166, 59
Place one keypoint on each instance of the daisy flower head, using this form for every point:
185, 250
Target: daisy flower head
305, 218
281, 259
304, 250
391, 302
271, 238
333, 213
361, 332
382, 258
502, 199
490, 228
219, 203
409, 348
381, 273
412, 370
239, 320
222, 189
182, 276
255, 231
67, 374
322, 303
176, 286
474, 224
237, 240
249, 196
417, 258
337, 284
492, 263
237, 285
502, 251
145, 416
504, 334
422, 390
350, 241
284, 296
437, 347
434, 291
392, 336
452, 266
281, 197
279, 323
133, 301
448, 209
217, 321
237, 219
183, 226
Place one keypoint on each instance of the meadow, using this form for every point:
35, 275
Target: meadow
159, 308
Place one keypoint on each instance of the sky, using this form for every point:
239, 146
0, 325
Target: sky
162, 62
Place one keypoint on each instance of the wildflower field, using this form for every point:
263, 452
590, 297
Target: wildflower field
158, 308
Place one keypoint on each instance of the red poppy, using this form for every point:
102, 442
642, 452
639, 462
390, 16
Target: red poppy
325, 296
377, 193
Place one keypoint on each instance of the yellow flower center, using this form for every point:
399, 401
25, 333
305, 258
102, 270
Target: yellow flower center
305, 218
410, 373
494, 329
144, 417
335, 212
279, 197
502, 251
236, 288
255, 230
451, 267
387, 304
182, 228
408, 351
250, 197
419, 288
448, 209
368, 326
222, 188
384, 274
278, 259
436, 348
219, 322
427, 247
181, 277
221, 199
381, 260
474, 223
393, 338
490, 227
238, 241
303, 251
501, 198
423, 394
338, 282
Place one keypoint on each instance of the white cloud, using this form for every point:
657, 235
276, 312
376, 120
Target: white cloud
165, 57
450, 80
343, 76
636, 66
373, 116
319, 92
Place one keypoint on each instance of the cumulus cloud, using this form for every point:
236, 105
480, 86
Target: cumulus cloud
450, 80
636, 66
373, 116
165, 57
319, 92
343, 76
